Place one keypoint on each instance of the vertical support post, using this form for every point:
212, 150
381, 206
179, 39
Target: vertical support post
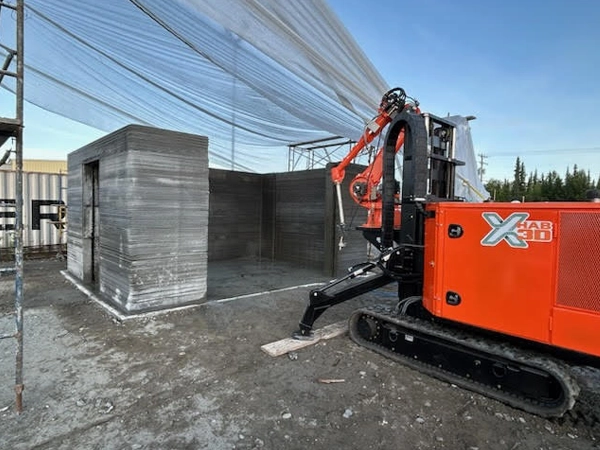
234, 98
19, 386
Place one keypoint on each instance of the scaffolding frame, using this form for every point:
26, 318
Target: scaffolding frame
12, 127
317, 153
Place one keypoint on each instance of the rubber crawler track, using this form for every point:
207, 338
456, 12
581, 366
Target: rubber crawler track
496, 349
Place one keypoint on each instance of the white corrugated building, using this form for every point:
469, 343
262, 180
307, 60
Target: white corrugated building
44, 203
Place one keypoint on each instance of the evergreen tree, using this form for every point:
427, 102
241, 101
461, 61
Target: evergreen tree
544, 187
499, 190
534, 188
576, 185
519, 185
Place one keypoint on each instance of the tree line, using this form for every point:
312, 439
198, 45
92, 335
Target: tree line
576, 185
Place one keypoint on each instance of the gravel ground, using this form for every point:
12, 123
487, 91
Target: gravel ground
197, 379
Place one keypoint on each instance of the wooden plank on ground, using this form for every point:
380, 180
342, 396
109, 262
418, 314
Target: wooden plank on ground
287, 345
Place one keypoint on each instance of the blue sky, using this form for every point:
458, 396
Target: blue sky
528, 70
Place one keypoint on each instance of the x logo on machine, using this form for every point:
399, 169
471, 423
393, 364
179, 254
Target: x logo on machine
504, 229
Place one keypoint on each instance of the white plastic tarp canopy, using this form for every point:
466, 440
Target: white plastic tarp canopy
252, 75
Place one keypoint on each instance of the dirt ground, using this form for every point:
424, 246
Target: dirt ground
197, 379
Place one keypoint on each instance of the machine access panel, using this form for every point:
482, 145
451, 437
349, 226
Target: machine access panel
526, 269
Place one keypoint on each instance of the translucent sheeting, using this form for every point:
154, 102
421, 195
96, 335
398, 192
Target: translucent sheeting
467, 183
252, 75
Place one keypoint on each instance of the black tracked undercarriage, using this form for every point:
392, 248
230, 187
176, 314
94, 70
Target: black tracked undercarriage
523, 379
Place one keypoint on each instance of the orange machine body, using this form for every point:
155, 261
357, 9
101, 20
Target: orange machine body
530, 270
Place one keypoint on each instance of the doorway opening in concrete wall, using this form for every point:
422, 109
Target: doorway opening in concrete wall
91, 230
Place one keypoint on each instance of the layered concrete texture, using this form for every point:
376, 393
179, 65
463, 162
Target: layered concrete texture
306, 221
290, 217
237, 215
138, 218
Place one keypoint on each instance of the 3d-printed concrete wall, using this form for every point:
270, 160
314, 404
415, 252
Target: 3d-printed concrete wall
138, 217
306, 230
236, 215
284, 216
300, 216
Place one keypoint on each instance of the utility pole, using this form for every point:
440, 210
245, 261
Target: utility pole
482, 164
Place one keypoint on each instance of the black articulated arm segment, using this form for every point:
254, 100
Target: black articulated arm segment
362, 279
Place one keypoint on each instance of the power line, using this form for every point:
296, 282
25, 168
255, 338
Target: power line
546, 152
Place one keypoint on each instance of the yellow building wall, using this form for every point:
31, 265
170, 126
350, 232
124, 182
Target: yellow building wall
42, 165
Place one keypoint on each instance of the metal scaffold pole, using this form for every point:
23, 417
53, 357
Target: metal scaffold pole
19, 386
12, 128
